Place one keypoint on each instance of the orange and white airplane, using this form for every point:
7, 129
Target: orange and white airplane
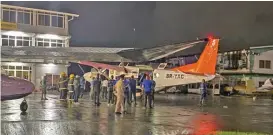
204, 68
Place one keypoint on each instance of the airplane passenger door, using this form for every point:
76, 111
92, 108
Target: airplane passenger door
162, 65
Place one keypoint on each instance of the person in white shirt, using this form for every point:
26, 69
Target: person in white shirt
104, 89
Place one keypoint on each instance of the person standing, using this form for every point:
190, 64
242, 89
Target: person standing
119, 87
63, 86
76, 84
147, 86
82, 86
153, 90
132, 84
111, 84
43, 87
203, 91
92, 93
71, 86
104, 89
127, 101
97, 89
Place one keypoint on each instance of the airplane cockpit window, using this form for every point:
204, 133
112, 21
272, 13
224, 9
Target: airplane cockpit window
162, 65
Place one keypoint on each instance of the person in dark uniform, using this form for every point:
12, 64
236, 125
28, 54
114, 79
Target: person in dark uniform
132, 86
43, 87
76, 84
203, 89
97, 89
111, 84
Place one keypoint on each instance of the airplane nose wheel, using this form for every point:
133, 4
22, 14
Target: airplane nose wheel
24, 106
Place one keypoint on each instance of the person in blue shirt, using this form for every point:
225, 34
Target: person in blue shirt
147, 85
132, 84
126, 93
203, 91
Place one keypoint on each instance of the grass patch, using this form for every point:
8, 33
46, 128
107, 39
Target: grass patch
238, 133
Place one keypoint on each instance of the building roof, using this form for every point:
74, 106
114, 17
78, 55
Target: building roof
67, 53
39, 10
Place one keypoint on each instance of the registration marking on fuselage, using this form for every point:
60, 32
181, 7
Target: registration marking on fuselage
174, 76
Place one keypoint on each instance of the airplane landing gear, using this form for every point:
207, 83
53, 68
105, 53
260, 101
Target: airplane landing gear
23, 106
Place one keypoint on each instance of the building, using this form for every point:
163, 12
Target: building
253, 64
35, 42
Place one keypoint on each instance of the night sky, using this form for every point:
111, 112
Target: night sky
111, 24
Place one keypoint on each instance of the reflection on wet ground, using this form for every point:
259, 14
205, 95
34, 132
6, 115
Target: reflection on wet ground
173, 114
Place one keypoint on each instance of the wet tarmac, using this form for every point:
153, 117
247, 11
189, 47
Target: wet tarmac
172, 114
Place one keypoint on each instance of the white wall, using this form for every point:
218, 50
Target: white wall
264, 56
42, 69
258, 79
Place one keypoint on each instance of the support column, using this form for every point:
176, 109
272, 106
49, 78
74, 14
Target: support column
33, 74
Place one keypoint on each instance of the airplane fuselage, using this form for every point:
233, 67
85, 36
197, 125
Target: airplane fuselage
165, 78
14, 88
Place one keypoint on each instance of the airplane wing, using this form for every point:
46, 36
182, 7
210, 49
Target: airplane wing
151, 54
103, 66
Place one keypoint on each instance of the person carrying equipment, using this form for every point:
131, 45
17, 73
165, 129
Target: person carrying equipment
63, 86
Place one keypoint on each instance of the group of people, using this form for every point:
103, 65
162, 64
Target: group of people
121, 92
72, 87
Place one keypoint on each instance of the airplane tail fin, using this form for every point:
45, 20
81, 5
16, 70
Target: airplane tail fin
207, 61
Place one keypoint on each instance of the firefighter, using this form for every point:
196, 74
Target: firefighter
71, 86
63, 86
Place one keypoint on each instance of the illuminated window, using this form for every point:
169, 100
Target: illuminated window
16, 40
41, 42
23, 72
265, 64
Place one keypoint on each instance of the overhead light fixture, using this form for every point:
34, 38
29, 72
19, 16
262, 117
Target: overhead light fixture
51, 64
15, 64
49, 36
15, 33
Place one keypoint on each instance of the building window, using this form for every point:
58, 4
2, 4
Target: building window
16, 40
9, 15
23, 16
16, 15
41, 42
265, 64
23, 72
50, 19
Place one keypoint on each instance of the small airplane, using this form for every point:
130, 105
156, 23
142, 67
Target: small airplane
192, 73
204, 68
15, 88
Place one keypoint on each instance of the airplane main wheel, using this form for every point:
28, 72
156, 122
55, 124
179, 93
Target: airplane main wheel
23, 106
